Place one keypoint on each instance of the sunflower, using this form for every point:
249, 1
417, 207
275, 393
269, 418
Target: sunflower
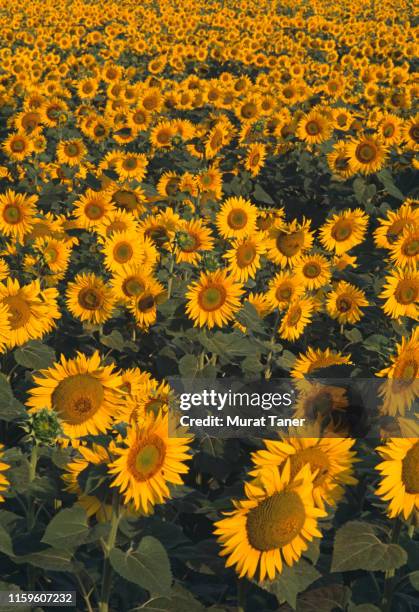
144, 305
313, 271
315, 359
344, 231
93, 505
129, 283
244, 257
213, 299
116, 221
338, 161
17, 214
132, 166
18, 146
273, 524
401, 293
71, 152
331, 461
255, 158
148, 460
400, 476
366, 154
162, 134
82, 391
314, 128
236, 218
91, 208
133, 383
405, 251
160, 228
90, 299
297, 316
286, 243
169, 185
344, 303
128, 248
284, 287
3, 480
260, 303
129, 198
192, 238
402, 384
389, 129
4, 269
392, 226
31, 311
411, 133
56, 253
321, 403
210, 181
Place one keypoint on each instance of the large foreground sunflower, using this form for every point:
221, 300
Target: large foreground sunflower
82, 391
213, 299
402, 384
273, 524
400, 476
331, 461
148, 460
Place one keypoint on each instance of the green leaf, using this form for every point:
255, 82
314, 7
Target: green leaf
292, 581
6, 544
286, 360
365, 607
261, 196
179, 600
114, 340
249, 317
358, 548
354, 335
414, 579
34, 355
10, 408
13, 588
49, 559
385, 178
188, 366
325, 599
148, 566
67, 528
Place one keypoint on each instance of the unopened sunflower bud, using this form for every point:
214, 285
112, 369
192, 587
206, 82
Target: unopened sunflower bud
210, 261
44, 426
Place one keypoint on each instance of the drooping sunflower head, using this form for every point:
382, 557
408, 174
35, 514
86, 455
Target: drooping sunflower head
405, 251
287, 243
272, 525
344, 230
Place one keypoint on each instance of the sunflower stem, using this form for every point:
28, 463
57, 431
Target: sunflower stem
268, 370
170, 281
389, 575
30, 517
107, 568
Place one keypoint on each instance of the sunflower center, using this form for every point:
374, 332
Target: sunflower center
317, 460
72, 150
405, 373
414, 133
123, 252
366, 152
311, 270
411, 249
255, 159
388, 130
245, 255
147, 457
343, 304
290, 244
90, 299
237, 218
341, 230
406, 292
130, 163
312, 128
77, 398
146, 303
12, 214
17, 146
94, 211
132, 286
51, 255
294, 315
276, 521
249, 110
410, 470
395, 230
212, 298
126, 199
284, 293
188, 242
19, 311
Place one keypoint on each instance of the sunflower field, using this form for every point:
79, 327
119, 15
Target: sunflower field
208, 190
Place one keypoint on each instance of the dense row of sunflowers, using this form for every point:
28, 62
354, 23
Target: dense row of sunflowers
217, 190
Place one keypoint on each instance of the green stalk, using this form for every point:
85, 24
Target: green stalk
110, 544
268, 370
389, 575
